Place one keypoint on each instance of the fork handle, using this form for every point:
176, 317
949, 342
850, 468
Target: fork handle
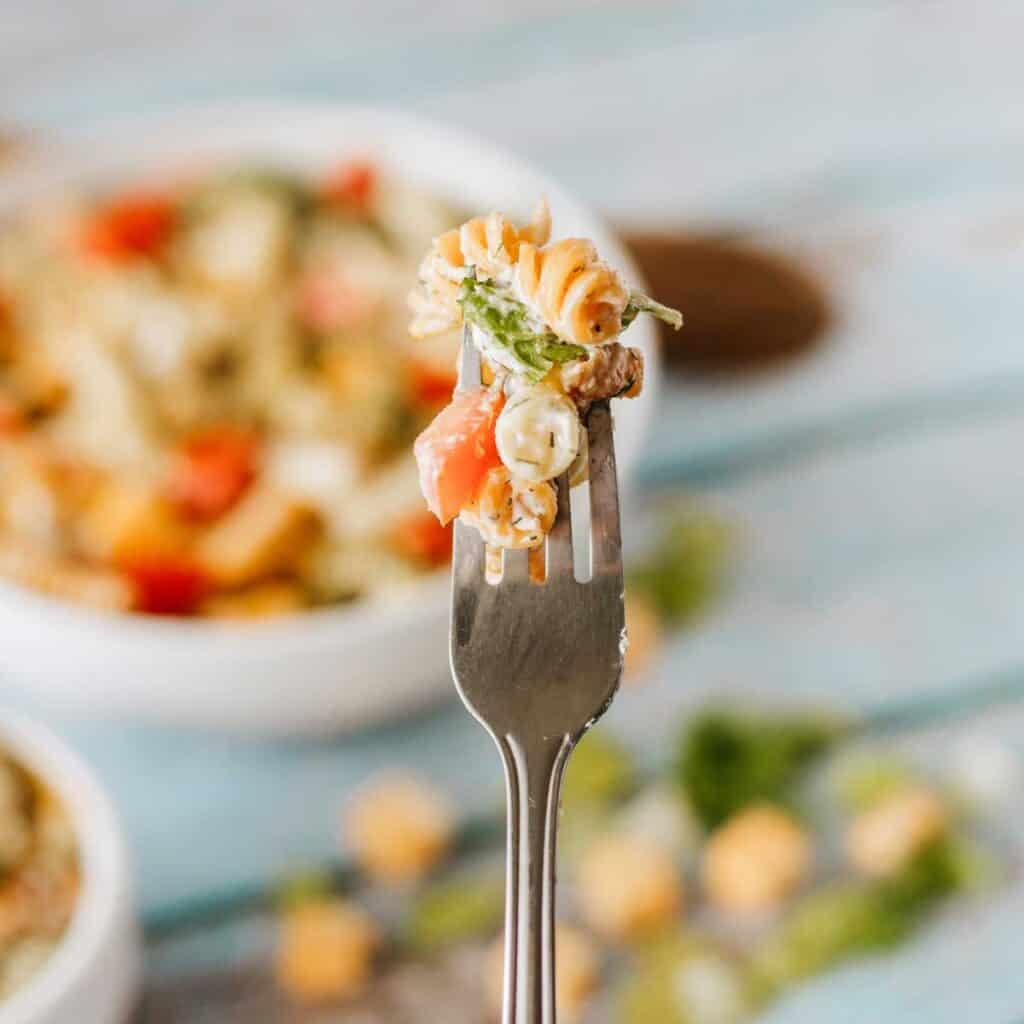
533, 776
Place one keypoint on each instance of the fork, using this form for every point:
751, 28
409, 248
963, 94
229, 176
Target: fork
537, 663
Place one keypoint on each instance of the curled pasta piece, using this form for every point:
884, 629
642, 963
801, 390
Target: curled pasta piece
577, 295
490, 245
538, 433
512, 513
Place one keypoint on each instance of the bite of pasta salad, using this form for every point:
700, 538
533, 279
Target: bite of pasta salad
208, 394
546, 318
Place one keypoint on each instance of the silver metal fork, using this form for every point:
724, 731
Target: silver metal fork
537, 664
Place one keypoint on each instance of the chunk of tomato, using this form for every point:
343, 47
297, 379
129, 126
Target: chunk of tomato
352, 186
456, 451
132, 227
167, 585
212, 470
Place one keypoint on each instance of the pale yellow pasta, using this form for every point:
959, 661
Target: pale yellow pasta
490, 245
565, 285
568, 287
512, 513
538, 433
60, 577
265, 533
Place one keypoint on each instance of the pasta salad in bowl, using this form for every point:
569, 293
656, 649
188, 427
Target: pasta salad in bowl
206, 398
209, 505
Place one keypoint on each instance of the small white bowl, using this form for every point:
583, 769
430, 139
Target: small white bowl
325, 670
93, 975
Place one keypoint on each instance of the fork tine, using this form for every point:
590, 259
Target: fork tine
560, 558
468, 546
467, 555
606, 538
516, 567
469, 362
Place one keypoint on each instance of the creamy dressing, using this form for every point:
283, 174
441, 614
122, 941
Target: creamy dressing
538, 433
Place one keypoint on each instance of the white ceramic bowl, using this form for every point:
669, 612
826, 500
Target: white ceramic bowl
94, 972
324, 670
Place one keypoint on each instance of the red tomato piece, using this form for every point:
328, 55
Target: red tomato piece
133, 227
424, 539
167, 585
352, 186
431, 385
212, 470
458, 448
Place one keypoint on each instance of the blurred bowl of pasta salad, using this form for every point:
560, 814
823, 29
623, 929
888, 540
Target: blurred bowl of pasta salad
209, 507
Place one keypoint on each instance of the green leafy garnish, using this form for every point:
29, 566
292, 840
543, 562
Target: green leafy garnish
729, 759
686, 567
455, 911
640, 303
850, 919
527, 348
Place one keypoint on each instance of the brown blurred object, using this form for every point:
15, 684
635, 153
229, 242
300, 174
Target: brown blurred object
744, 307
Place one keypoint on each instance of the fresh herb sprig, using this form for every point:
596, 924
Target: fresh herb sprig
529, 351
640, 303
529, 348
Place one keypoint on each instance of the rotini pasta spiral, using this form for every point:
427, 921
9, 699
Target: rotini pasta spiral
512, 513
545, 318
490, 245
579, 297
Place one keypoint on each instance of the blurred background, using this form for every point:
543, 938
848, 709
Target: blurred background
828, 642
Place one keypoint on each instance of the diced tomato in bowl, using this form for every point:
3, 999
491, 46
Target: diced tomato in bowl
212, 470
133, 227
352, 186
167, 584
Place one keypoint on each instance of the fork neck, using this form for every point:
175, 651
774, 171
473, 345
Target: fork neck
533, 772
